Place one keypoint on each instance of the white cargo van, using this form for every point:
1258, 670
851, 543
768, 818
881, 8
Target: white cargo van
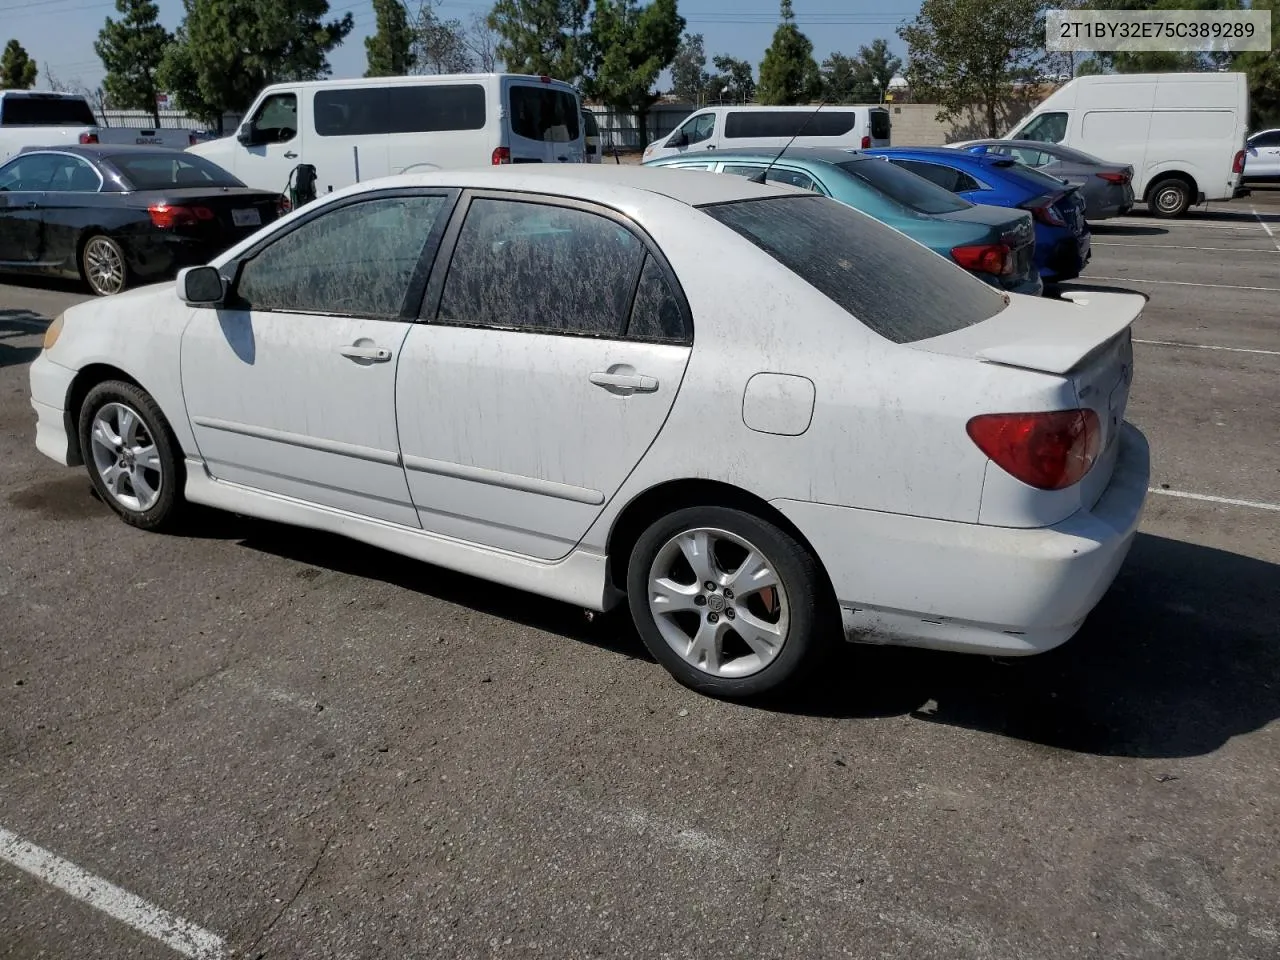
1183, 133
354, 130
727, 128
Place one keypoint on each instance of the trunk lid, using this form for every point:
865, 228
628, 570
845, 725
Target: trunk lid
237, 211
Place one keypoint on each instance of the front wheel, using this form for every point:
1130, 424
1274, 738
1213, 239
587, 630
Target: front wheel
131, 454
730, 604
1170, 198
104, 266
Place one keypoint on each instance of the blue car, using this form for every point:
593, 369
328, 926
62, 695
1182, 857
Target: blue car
1063, 241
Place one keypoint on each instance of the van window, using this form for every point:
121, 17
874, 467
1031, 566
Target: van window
880, 127
431, 108
38, 111
1047, 128
590, 125
351, 113
741, 124
697, 128
544, 113
277, 119
899, 288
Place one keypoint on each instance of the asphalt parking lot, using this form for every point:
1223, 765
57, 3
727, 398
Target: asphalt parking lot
260, 742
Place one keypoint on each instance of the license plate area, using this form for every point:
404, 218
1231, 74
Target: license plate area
246, 218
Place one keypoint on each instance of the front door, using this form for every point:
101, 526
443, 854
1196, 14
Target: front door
1263, 156
291, 390
23, 182
555, 346
271, 144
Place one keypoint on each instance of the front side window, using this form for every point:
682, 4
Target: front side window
276, 119
1047, 128
697, 129
893, 285
536, 267
355, 260
545, 114
29, 173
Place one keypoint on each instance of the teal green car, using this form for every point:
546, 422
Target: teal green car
995, 244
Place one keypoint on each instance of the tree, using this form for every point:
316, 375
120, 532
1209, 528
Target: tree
689, 77
788, 73
17, 69
734, 80
389, 52
628, 47
1155, 61
542, 37
131, 50
876, 66
968, 52
228, 50
482, 42
1263, 71
440, 46
840, 79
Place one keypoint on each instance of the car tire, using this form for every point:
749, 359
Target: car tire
701, 634
103, 266
1170, 198
132, 456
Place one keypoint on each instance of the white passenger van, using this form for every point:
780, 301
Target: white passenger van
354, 130
1183, 133
732, 128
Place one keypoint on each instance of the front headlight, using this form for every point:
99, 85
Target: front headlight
52, 332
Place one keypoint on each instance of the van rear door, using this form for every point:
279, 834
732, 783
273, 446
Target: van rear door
881, 127
543, 122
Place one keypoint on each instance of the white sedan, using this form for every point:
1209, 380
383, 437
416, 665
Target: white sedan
760, 418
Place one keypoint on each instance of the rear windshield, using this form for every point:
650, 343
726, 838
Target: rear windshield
40, 111
898, 288
544, 113
159, 171
913, 192
879, 125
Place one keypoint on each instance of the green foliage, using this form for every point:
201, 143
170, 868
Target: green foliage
1263, 71
440, 46
860, 79
734, 80
228, 50
628, 47
788, 73
689, 77
970, 52
541, 37
877, 66
1159, 61
131, 50
17, 69
389, 52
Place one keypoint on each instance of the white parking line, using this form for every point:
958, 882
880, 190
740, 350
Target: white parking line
1185, 283
1205, 346
177, 934
1179, 246
1267, 227
1168, 224
1228, 501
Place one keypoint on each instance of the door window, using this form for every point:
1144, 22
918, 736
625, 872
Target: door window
74, 175
793, 178
1271, 139
1047, 128
881, 128
276, 119
697, 129
533, 266
29, 173
656, 313
956, 181
356, 260
744, 124
351, 113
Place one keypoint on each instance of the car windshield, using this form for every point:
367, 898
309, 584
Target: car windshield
159, 171
897, 287
915, 193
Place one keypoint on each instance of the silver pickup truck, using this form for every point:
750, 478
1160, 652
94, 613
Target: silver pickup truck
37, 119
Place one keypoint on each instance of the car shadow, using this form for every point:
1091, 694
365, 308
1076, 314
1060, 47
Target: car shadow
1056, 290
40, 282
1176, 659
15, 324
1105, 228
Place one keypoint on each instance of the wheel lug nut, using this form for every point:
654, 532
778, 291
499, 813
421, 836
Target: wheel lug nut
699, 601
710, 586
729, 613
728, 594
712, 618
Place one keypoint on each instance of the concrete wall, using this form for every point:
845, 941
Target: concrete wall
916, 124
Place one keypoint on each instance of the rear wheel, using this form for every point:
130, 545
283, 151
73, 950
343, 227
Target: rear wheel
103, 265
1170, 198
729, 603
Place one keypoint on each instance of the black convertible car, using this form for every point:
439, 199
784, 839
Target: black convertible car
115, 215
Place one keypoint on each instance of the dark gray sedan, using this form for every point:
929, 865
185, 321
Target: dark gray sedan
1107, 188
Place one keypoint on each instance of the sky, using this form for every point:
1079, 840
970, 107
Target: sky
59, 34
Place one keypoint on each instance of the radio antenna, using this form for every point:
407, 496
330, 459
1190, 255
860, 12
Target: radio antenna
763, 174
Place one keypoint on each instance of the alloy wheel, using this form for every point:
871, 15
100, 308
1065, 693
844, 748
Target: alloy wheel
104, 267
126, 458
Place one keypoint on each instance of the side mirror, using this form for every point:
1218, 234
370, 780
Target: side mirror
245, 135
201, 286
679, 139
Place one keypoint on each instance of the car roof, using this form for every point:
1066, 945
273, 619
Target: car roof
598, 182
814, 154
100, 151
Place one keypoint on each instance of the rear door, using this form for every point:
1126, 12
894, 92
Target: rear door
555, 344
881, 127
544, 122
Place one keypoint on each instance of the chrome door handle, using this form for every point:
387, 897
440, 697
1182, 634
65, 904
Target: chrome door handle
625, 381
369, 354
290, 155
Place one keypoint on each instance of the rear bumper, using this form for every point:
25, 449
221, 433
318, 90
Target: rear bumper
1068, 258
1240, 191
161, 256
55, 433
977, 589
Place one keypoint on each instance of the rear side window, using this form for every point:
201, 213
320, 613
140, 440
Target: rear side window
948, 178
38, 111
436, 108
351, 113
895, 286
656, 313
545, 114
880, 126
913, 192
792, 178
742, 124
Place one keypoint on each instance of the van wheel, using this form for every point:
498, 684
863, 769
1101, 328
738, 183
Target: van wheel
1170, 198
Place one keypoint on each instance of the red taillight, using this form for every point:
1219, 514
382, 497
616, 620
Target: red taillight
544, 78
501, 155
1115, 177
88, 138
283, 205
1237, 165
191, 140
166, 216
984, 258
866, 143
1046, 213
1049, 451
